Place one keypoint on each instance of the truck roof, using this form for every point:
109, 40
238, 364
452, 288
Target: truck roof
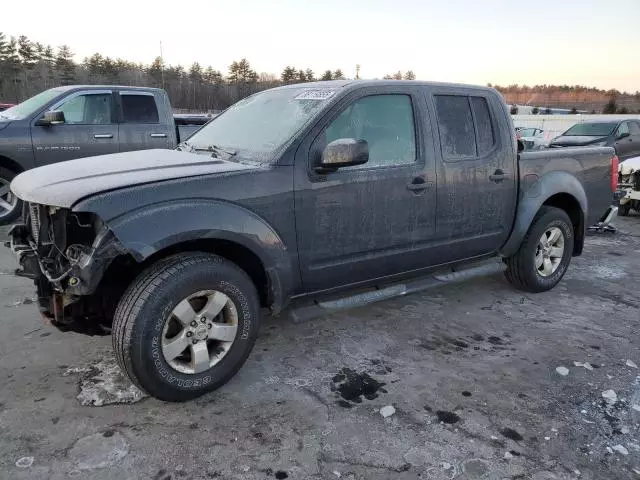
102, 87
351, 84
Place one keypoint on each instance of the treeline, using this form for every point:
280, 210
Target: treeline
575, 97
27, 68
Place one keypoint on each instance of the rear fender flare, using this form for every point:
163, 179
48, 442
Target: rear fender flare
149, 230
534, 198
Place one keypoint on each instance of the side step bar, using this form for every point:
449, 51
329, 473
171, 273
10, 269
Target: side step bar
311, 309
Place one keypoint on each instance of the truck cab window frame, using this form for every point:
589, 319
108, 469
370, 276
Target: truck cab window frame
478, 126
371, 118
90, 112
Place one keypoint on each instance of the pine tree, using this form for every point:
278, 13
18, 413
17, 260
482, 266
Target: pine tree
65, 66
302, 76
288, 75
338, 75
409, 75
397, 75
27, 52
327, 75
155, 71
309, 75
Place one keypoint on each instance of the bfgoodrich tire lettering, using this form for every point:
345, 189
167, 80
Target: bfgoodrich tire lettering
148, 304
522, 271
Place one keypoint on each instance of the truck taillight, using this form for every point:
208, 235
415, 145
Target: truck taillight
614, 173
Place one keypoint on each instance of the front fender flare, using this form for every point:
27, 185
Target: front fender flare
534, 198
147, 231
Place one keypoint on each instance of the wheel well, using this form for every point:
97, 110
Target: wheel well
234, 252
571, 206
9, 164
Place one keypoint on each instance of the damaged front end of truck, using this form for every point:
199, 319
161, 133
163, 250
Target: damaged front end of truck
70, 257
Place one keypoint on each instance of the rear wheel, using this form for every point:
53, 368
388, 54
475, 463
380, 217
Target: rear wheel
186, 326
10, 205
545, 252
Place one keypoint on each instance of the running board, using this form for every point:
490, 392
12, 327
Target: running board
318, 307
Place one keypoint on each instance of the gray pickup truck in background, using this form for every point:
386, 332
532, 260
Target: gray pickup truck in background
83, 121
315, 197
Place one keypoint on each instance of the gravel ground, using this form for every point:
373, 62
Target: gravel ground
485, 383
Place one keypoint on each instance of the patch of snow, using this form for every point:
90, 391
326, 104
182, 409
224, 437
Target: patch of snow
508, 455
387, 411
610, 397
564, 371
586, 365
620, 449
104, 384
24, 462
631, 364
99, 451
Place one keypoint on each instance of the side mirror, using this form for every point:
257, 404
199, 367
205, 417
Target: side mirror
520, 146
53, 117
344, 152
622, 135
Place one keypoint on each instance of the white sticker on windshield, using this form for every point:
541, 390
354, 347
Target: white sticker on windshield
315, 94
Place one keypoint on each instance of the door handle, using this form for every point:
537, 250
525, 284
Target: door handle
419, 184
159, 135
497, 176
103, 135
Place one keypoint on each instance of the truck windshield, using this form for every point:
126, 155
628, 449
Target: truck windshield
258, 126
31, 105
591, 129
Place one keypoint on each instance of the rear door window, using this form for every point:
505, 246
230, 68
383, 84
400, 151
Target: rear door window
465, 126
455, 124
634, 128
484, 128
138, 108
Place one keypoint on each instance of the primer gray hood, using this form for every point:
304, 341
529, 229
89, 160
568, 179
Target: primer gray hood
63, 184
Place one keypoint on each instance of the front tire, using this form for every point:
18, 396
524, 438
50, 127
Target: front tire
186, 326
10, 205
624, 210
545, 252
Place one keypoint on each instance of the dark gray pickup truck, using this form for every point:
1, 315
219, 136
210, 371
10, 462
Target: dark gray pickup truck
314, 197
80, 121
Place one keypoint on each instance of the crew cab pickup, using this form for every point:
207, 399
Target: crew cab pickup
81, 121
314, 197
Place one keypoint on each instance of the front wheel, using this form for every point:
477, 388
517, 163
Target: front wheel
186, 326
624, 210
545, 252
10, 205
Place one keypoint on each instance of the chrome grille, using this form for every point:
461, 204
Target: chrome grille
34, 217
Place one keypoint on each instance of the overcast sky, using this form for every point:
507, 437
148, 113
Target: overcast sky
589, 42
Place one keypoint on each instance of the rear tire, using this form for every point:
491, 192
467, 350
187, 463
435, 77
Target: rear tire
10, 205
539, 264
166, 350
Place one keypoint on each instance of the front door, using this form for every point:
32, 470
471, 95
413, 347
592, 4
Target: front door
372, 220
89, 129
140, 125
477, 173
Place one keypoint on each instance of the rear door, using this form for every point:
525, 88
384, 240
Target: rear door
89, 129
373, 220
634, 131
477, 172
624, 146
140, 125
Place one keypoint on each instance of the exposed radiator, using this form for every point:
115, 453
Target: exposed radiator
34, 216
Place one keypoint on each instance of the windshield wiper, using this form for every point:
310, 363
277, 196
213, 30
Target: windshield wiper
216, 151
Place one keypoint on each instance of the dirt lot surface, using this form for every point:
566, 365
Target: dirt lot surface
485, 383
